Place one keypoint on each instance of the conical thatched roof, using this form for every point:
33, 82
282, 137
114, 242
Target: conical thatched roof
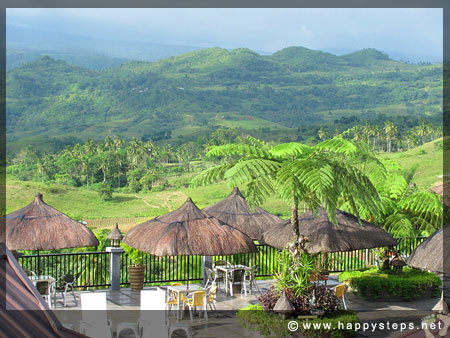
324, 236
235, 211
429, 255
188, 231
38, 226
115, 234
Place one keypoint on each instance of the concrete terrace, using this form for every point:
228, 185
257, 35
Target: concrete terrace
124, 306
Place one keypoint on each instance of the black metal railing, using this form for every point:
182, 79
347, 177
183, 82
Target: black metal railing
92, 268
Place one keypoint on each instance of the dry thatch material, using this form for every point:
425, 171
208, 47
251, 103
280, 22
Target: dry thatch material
115, 234
38, 226
235, 211
324, 236
188, 231
429, 255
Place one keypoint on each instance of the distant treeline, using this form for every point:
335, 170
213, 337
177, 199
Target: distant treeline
143, 165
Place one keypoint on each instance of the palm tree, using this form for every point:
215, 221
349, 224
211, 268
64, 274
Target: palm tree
421, 130
390, 129
376, 133
322, 134
322, 175
119, 142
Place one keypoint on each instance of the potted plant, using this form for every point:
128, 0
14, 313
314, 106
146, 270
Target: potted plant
136, 269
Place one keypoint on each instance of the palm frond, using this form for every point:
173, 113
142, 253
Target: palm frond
291, 149
211, 175
337, 145
238, 149
425, 205
258, 190
248, 170
401, 226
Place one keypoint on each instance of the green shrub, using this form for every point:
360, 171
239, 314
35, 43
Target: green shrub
411, 284
254, 318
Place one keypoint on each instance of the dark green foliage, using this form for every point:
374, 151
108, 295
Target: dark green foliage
411, 284
104, 190
150, 100
254, 318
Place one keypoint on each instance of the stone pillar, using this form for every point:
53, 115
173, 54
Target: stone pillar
206, 262
114, 266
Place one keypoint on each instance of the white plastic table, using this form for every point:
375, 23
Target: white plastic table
51, 285
228, 269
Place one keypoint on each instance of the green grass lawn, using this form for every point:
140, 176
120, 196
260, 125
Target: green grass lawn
427, 159
86, 204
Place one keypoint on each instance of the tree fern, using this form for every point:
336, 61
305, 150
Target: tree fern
290, 150
247, 170
337, 145
211, 175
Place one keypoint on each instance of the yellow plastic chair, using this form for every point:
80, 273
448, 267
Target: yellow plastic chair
212, 297
339, 291
173, 300
198, 299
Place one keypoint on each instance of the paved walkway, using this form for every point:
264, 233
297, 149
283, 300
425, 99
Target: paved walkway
123, 306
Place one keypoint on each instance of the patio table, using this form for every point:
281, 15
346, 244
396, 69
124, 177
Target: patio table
228, 269
328, 283
51, 285
183, 289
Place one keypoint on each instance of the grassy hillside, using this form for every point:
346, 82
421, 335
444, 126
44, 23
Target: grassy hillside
427, 159
85, 204
81, 203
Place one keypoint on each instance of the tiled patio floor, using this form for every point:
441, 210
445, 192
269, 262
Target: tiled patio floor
124, 305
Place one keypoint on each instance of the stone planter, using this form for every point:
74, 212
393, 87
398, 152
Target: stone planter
136, 274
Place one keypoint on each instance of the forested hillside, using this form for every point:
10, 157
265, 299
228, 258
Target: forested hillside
295, 89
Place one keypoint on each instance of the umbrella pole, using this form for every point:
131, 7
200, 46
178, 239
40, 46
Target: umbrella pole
38, 264
187, 282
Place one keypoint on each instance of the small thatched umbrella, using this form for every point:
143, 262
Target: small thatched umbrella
429, 255
188, 231
38, 226
235, 211
324, 236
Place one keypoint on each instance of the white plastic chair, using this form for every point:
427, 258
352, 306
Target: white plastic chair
94, 322
153, 321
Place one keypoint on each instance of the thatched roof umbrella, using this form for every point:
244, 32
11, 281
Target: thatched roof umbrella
443, 189
429, 255
188, 231
235, 211
38, 226
324, 236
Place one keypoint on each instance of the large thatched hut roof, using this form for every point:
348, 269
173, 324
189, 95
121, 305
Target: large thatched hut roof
38, 226
235, 211
188, 231
324, 236
433, 253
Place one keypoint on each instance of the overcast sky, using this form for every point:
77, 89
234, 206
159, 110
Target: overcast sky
414, 32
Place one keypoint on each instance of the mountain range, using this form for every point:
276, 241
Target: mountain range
184, 95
